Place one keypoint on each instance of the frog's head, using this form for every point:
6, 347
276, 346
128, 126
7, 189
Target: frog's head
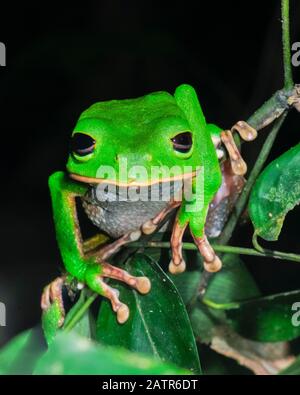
138, 141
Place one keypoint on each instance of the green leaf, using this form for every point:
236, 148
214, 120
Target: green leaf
187, 284
293, 369
73, 354
21, 353
50, 321
267, 319
158, 322
275, 193
233, 283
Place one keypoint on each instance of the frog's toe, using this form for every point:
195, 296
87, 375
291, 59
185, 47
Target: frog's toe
122, 313
213, 266
178, 268
212, 263
143, 285
149, 227
96, 283
247, 132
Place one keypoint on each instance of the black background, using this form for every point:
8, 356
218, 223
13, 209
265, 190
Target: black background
63, 57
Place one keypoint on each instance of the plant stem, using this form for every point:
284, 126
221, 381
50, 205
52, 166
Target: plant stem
285, 15
225, 249
288, 85
278, 254
80, 313
242, 201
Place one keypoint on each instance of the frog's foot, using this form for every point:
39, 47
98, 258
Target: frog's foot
247, 133
151, 225
177, 264
95, 281
238, 164
212, 262
115, 246
53, 293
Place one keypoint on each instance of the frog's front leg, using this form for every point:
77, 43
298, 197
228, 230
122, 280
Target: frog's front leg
151, 225
212, 262
147, 228
193, 214
112, 248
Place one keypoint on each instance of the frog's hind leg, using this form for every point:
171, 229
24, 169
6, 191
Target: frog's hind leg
95, 280
212, 262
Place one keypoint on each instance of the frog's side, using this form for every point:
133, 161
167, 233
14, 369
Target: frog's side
157, 130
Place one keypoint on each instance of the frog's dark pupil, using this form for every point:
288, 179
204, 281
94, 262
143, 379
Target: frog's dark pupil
82, 144
182, 142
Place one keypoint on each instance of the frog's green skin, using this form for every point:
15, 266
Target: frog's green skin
140, 132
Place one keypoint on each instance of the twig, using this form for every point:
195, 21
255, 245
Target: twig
242, 201
225, 249
80, 313
285, 14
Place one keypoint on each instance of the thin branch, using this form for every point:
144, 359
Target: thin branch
277, 254
242, 201
225, 249
285, 15
80, 313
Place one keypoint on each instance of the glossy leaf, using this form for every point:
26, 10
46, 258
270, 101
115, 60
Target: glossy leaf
50, 321
233, 283
158, 322
72, 354
276, 192
187, 284
21, 353
267, 319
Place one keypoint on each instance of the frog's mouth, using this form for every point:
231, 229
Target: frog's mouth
131, 182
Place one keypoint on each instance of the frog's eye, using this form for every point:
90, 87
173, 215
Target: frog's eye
182, 142
82, 144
